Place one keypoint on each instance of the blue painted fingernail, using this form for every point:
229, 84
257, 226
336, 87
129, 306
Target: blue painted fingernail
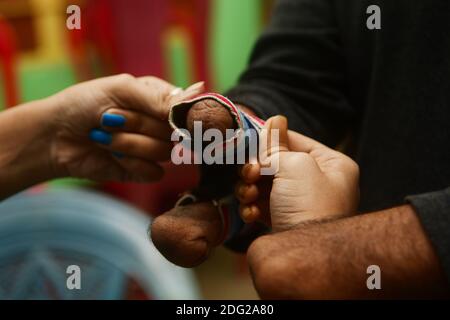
113, 120
118, 155
100, 136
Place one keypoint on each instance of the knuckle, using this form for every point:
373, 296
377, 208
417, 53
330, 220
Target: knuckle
124, 81
354, 168
151, 79
349, 165
237, 188
252, 193
120, 83
125, 78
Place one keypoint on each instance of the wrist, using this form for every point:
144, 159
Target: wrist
57, 113
26, 141
41, 131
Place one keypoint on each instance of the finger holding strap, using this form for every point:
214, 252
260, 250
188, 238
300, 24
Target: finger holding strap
274, 137
273, 140
122, 120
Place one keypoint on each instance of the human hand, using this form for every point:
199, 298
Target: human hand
131, 135
313, 182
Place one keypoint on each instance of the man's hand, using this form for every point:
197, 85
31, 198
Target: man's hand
313, 182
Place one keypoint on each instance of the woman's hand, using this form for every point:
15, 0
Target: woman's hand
312, 183
114, 128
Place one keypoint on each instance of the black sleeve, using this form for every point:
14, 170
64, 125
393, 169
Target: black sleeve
297, 70
433, 210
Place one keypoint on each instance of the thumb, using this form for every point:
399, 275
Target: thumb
179, 94
277, 135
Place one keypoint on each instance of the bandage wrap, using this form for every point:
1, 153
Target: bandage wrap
219, 180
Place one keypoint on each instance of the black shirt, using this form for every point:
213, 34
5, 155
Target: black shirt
388, 90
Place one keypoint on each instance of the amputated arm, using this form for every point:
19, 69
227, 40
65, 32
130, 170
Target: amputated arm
186, 235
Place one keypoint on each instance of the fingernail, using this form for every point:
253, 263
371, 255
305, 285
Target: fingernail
118, 155
280, 122
100, 136
113, 120
176, 91
196, 86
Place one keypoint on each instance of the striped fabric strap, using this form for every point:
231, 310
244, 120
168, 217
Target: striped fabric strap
227, 206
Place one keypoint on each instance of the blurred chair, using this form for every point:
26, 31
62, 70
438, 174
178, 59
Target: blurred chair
42, 234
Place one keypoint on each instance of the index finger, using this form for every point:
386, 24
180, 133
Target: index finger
150, 95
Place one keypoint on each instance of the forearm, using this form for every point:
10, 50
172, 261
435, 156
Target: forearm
330, 260
25, 140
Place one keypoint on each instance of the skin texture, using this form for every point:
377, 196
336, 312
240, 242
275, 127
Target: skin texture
330, 260
186, 235
211, 114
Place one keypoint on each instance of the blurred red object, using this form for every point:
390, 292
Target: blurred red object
125, 38
8, 54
